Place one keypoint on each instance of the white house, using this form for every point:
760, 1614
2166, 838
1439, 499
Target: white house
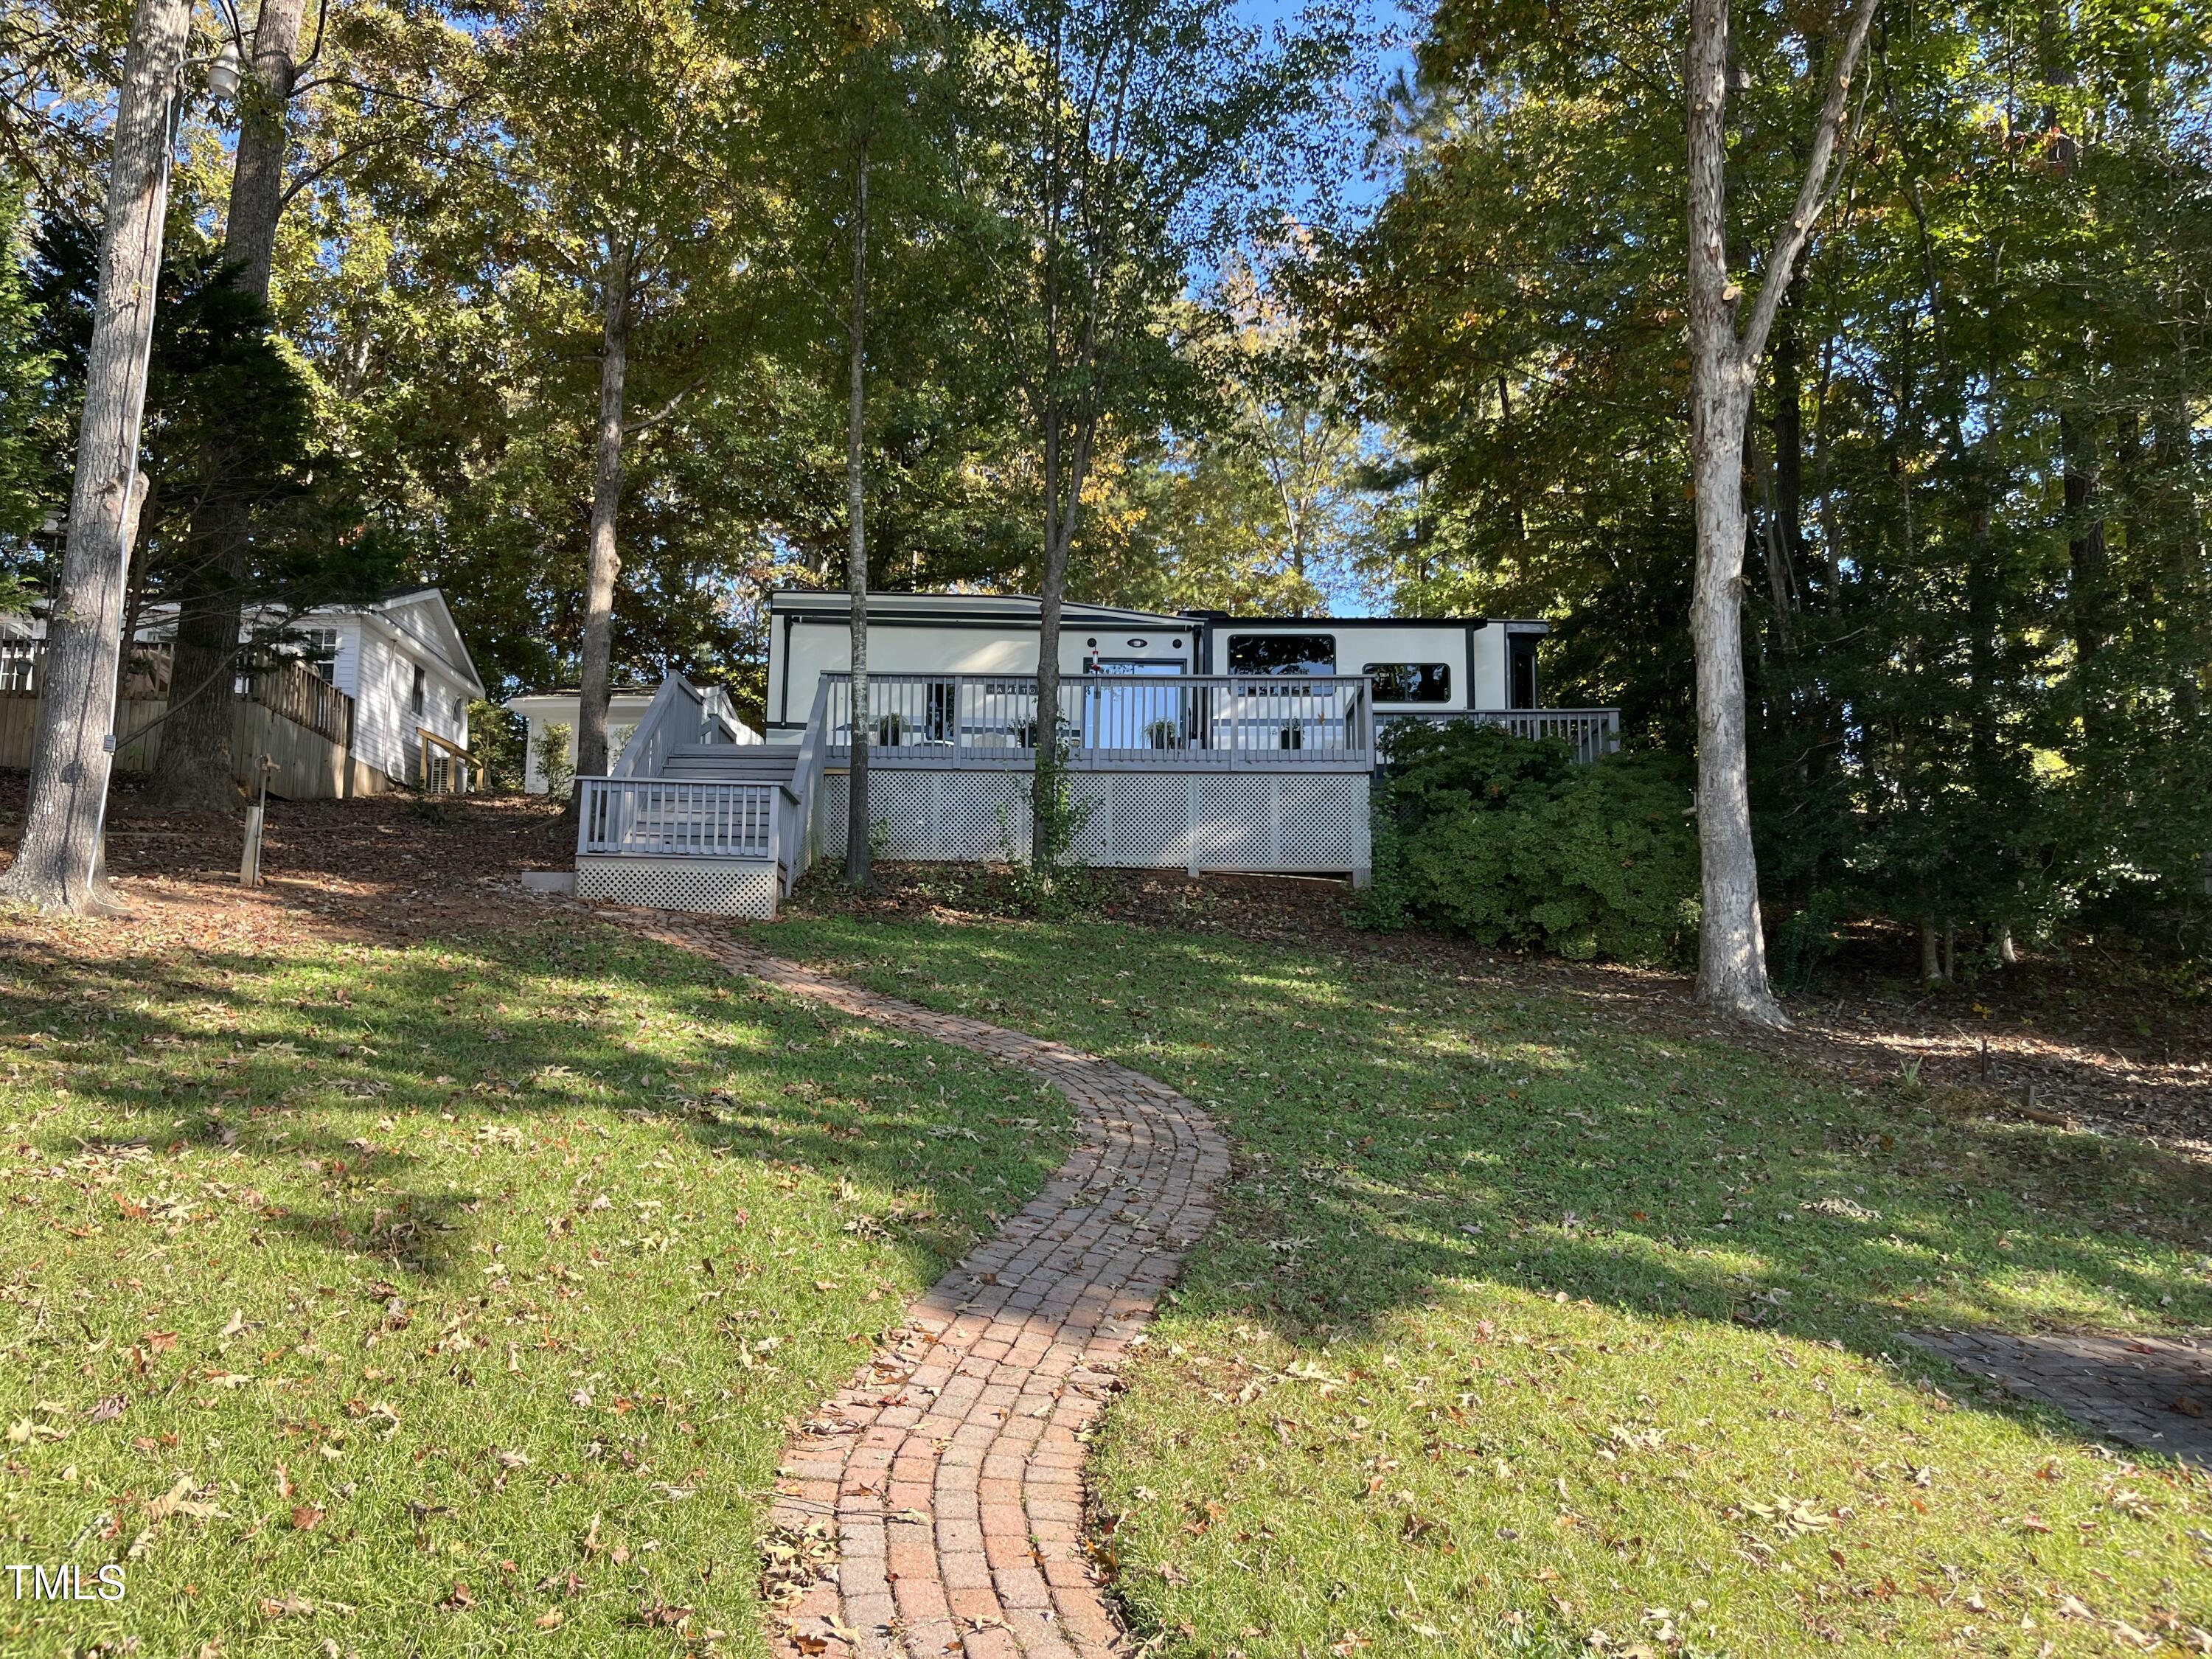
403, 661
400, 657
1197, 741
1418, 667
626, 706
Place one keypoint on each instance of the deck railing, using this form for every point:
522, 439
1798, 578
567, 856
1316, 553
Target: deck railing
1124, 722
1590, 732
653, 817
680, 714
290, 687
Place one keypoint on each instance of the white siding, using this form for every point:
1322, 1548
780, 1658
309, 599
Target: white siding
385, 720
345, 667
818, 648
624, 710
375, 724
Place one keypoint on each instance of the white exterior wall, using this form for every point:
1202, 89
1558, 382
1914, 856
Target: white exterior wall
345, 668
383, 719
624, 711
817, 649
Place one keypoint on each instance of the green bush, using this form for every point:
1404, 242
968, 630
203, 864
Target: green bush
498, 739
555, 764
1512, 843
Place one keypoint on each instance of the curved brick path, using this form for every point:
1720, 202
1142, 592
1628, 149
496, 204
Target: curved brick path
948, 1473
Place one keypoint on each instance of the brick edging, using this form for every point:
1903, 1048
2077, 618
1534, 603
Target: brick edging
935, 1504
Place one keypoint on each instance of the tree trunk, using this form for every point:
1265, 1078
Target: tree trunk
1731, 946
605, 563
57, 862
1931, 952
2184, 537
195, 765
2089, 564
859, 827
1052, 588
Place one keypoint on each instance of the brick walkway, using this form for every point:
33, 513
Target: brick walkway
2153, 1391
947, 1476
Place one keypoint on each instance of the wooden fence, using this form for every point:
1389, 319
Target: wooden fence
299, 721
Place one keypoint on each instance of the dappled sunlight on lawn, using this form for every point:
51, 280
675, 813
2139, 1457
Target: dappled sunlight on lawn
1524, 1329
475, 1282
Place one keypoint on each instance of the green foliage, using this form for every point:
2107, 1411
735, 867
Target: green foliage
1512, 843
500, 740
24, 365
556, 762
1979, 599
1053, 882
234, 414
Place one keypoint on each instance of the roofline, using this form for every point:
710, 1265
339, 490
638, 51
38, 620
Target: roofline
1376, 621
838, 599
466, 665
577, 692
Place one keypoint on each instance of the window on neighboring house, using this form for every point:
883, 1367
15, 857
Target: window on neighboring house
1520, 671
421, 681
318, 647
1410, 681
460, 711
1282, 653
19, 661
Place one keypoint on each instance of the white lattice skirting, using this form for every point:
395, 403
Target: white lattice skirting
712, 887
1136, 820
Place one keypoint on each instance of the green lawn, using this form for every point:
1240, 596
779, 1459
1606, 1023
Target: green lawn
452, 1300
1523, 1331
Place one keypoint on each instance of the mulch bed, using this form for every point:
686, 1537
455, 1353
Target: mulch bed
383, 867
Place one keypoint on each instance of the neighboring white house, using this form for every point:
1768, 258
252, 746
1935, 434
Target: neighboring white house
626, 706
400, 657
403, 663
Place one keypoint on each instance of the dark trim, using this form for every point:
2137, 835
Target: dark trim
1154, 621
783, 692
1312, 622
995, 624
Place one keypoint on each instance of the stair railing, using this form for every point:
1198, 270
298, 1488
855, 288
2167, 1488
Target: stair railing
799, 841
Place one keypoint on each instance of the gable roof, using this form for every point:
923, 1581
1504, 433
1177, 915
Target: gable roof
421, 617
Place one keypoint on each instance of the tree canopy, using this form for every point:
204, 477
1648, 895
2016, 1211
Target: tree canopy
1124, 334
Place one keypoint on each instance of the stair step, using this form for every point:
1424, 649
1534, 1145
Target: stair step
753, 763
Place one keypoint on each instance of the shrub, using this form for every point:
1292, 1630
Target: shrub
497, 740
1511, 842
554, 764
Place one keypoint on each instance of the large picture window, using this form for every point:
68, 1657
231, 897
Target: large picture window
1410, 681
1282, 653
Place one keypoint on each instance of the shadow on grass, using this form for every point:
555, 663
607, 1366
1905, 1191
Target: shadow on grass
297, 1067
1401, 1135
